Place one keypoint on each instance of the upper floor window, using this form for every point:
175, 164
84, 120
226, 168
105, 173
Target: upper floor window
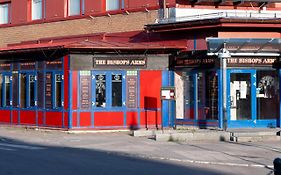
112, 5
36, 9
4, 13
75, 7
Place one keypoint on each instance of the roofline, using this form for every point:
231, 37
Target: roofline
214, 23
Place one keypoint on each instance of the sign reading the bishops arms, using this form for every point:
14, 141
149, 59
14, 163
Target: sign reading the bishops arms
120, 61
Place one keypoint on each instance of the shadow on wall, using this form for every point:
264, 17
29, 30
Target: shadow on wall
151, 112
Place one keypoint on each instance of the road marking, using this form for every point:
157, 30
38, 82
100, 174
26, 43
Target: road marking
21, 146
7, 149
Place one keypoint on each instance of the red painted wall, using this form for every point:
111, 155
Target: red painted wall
132, 119
85, 119
92, 7
152, 119
54, 119
74, 119
5, 116
40, 116
150, 85
66, 119
28, 117
109, 119
138, 4
54, 9
15, 119
19, 11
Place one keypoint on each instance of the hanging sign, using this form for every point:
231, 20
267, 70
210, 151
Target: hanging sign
168, 93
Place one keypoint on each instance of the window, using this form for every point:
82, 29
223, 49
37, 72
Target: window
112, 5
109, 89
75, 7
4, 13
27, 90
53, 90
100, 90
58, 91
116, 89
5, 90
36, 9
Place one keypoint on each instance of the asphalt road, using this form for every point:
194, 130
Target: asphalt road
28, 152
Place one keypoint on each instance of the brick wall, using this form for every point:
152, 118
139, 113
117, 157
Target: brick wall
115, 23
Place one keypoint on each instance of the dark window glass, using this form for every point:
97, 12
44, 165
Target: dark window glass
48, 91
211, 109
23, 90
15, 85
189, 97
100, 90
7, 90
32, 90
267, 94
117, 90
58, 90
40, 89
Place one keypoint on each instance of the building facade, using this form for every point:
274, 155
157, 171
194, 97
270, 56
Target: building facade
79, 64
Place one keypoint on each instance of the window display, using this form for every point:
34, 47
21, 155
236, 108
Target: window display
101, 90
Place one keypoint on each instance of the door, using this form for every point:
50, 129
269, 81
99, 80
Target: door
253, 98
241, 98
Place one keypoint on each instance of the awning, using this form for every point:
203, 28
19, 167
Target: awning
250, 47
127, 42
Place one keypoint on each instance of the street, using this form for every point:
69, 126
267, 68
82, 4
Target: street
54, 152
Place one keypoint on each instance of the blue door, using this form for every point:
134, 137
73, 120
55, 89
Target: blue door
253, 98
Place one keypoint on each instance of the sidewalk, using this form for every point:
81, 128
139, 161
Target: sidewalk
257, 154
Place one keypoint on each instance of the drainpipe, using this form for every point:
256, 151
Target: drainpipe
223, 55
165, 15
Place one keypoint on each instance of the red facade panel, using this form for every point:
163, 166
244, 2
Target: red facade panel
55, 9
20, 11
15, 117
92, 7
132, 119
150, 85
28, 117
74, 119
54, 119
40, 118
5, 116
85, 119
151, 119
74, 89
109, 119
140, 4
66, 119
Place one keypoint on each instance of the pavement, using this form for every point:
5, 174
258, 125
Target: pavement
218, 157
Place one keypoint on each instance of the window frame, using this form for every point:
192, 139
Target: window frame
108, 89
3, 90
27, 89
81, 8
120, 5
41, 10
53, 95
